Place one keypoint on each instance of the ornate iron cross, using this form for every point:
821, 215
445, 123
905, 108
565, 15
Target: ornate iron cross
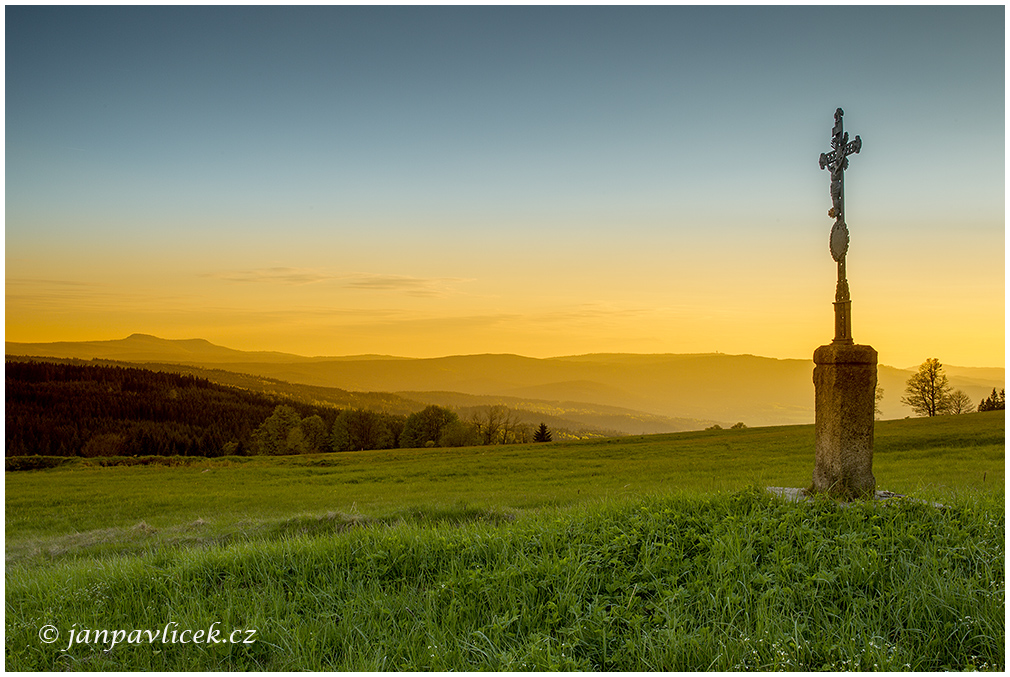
837, 161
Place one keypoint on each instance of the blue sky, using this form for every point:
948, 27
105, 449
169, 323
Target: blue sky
424, 181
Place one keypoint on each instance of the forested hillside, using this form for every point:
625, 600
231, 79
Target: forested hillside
100, 410
69, 410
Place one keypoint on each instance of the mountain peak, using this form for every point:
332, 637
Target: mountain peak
150, 338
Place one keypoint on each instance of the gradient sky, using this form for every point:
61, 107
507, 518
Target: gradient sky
541, 181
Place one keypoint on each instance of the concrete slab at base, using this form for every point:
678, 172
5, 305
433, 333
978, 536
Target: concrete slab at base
799, 495
795, 494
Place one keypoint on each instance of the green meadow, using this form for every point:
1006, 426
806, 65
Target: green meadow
659, 552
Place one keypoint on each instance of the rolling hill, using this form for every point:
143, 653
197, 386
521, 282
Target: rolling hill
569, 420
703, 387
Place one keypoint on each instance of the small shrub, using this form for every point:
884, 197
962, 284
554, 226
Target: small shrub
16, 463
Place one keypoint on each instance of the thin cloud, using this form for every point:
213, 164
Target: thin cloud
405, 284
279, 275
590, 312
73, 296
411, 286
32, 282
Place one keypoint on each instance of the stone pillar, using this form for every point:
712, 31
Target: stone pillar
845, 384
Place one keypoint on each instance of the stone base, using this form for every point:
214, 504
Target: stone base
845, 384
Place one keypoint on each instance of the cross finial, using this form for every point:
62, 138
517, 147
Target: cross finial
837, 161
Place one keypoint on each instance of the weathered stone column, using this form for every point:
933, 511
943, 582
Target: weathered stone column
845, 384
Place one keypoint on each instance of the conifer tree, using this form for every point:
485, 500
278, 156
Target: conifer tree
542, 434
996, 401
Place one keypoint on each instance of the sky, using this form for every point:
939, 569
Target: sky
542, 181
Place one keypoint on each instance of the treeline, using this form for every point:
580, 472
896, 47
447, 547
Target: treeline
58, 409
74, 410
286, 432
995, 402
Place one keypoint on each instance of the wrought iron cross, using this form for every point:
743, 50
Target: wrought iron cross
837, 161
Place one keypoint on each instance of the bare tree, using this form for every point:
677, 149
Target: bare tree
512, 431
497, 424
960, 403
487, 421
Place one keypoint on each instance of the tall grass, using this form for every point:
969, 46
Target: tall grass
734, 581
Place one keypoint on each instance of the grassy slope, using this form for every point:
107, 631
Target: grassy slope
678, 581
915, 455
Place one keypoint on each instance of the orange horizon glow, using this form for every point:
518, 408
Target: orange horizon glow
729, 303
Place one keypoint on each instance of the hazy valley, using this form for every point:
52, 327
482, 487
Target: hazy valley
627, 393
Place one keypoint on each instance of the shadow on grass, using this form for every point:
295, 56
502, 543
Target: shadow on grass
141, 537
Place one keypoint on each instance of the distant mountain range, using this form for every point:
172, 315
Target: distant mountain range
671, 391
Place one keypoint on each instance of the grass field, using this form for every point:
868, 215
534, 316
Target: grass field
660, 552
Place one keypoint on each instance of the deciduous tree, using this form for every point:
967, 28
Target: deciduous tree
497, 424
928, 392
359, 429
459, 434
960, 403
272, 437
314, 432
426, 426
